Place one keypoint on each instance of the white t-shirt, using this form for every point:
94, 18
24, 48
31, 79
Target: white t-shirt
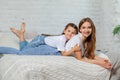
77, 39
56, 41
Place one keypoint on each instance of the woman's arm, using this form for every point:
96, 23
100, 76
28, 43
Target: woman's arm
67, 53
78, 55
99, 61
76, 48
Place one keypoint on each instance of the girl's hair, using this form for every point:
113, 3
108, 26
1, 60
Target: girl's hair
68, 25
91, 40
71, 25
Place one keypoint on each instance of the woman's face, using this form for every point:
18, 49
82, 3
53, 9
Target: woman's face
86, 29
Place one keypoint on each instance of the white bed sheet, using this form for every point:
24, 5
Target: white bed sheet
16, 67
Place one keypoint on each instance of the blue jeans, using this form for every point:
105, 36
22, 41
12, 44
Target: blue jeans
36, 47
40, 50
37, 41
8, 50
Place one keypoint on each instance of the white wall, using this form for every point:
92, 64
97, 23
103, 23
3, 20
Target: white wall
50, 16
110, 18
104, 36
46, 16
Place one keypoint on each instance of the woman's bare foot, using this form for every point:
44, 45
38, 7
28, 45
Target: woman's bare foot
19, 33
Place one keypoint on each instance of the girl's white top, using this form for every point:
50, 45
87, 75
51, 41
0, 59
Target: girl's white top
56, 41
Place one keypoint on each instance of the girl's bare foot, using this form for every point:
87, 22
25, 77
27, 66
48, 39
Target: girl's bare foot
15, 31
22, 27
19, 33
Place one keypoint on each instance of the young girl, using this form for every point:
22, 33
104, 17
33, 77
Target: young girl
42, 45
86, 39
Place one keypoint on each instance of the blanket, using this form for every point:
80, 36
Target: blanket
32, 67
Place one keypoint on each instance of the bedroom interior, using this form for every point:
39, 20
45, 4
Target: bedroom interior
50, 17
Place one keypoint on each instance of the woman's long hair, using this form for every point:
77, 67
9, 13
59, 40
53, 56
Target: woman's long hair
91, 40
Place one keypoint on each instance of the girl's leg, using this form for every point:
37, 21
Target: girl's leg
8, 50
20, 35
41, 50
37, 41
22, 45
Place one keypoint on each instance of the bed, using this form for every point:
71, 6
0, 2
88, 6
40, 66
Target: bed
29, 67
36, 67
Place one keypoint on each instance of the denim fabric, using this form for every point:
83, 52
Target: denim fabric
37, 41
41, 50
36, 47
8, 50
23, 44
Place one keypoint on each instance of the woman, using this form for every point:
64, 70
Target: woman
86, 39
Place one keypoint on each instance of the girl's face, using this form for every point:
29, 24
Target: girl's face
86, 29
69, 32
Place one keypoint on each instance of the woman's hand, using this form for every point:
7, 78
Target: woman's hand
105, 63
77, 48
101, 62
